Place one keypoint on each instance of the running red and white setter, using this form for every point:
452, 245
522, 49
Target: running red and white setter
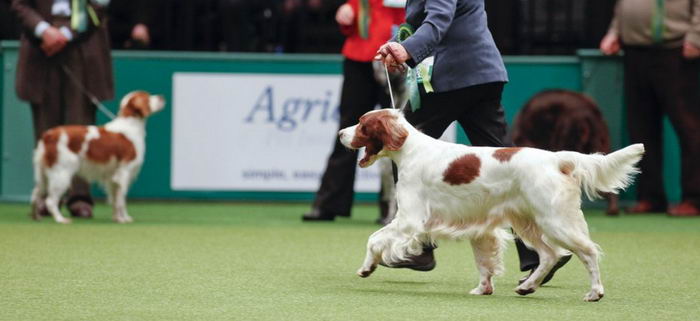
451, 191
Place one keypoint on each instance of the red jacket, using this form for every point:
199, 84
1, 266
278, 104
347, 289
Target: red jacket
381, 19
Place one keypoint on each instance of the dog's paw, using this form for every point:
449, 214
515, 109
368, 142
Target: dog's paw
524, 291
481, 291
593, 296
63, 220
363, 273
123, 220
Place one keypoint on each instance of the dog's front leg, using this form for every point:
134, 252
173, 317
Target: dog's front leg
369, 265
119, 189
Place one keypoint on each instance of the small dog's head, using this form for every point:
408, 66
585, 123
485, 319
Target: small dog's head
377, 131
140, 104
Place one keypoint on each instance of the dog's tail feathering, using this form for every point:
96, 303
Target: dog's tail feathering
598, 173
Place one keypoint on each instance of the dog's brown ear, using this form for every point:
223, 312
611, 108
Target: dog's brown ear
383, 129
393, 134
137, 105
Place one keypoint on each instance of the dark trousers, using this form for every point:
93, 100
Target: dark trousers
65, 104
658, 82
479, 111
360, 94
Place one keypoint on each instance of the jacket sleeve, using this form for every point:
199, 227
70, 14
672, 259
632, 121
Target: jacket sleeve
693, 35
351, 30
28, 17
614, 28
439, 16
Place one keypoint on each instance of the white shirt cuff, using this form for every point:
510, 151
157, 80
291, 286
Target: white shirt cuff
40, 28
102, 3
66, 33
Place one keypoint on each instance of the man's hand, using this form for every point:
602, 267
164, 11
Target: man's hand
53, 41
690, 51
345, 16
610, 45
140, 34
394, 55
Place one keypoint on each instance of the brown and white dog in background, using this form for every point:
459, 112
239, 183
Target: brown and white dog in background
558, 120
111, 155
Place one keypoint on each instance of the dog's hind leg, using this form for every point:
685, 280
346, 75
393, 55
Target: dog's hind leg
38, 194
531, 234
58, 183
488, 254
571, 232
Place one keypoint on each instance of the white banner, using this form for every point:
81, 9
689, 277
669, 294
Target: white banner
256, 132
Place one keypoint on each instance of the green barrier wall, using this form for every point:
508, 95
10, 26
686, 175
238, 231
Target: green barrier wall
600, 77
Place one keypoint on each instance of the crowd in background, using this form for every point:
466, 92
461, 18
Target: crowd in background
308, 26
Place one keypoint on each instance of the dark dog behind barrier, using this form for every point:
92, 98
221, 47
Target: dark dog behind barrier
564, 120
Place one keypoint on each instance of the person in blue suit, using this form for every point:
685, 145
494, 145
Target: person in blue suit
458, 75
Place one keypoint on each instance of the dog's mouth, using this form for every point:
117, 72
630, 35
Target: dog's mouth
370, 156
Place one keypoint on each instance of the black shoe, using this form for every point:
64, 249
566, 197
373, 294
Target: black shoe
80, 209
317, 216
549, 276
423, 262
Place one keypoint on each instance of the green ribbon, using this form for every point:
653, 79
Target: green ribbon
363, 19
78, 19
80, 12
422, 74
657, 21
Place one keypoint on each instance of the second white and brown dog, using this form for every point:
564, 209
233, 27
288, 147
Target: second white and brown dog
451, 191
111, 155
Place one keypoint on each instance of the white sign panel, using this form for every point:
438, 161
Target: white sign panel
256, 132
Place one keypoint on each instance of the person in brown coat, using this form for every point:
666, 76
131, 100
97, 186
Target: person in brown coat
64, 54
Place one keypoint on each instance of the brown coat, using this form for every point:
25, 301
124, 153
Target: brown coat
33, 67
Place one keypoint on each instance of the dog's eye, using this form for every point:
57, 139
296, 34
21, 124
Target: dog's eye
363, 130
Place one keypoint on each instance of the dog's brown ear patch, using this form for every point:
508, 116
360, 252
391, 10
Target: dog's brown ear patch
505, 154
138, 105
110, 145
462, 170
376, 131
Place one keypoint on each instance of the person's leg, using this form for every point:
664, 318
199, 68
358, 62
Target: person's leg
481, 114
676, 80
335, 195
644, 125
77, 110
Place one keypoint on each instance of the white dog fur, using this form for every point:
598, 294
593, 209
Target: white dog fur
451, 191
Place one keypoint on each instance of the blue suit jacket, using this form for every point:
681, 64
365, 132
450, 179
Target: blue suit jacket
457, 34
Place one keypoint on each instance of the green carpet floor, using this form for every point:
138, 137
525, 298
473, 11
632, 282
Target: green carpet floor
221, 261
